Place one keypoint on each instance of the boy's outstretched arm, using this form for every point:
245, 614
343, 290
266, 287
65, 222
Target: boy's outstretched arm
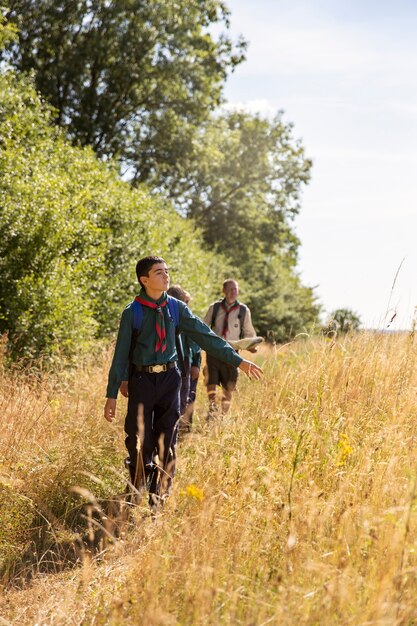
251, 369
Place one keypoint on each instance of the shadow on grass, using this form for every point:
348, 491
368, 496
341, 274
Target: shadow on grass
55, 546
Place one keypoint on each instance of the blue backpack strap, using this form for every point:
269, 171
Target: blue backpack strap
174, 310
137, 315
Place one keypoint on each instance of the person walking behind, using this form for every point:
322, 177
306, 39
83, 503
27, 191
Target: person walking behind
231, 320
190, 365
195, 355
149, 356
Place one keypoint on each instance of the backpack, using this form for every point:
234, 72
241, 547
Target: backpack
241, 316
174, 314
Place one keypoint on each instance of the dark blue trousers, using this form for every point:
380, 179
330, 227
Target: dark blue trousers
151, 428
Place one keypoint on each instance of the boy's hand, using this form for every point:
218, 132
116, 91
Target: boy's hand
124, 388
195, 372
110, 409
251, 369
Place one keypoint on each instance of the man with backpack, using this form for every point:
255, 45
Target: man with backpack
231, 320
145, 348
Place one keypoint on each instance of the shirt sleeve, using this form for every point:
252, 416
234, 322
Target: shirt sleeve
248, 329
120, 363
203, 336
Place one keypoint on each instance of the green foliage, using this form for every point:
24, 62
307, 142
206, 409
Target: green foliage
242, 186
281, 305
71, 232
8, 32
42, 278
132, 78
138, 81
343, 321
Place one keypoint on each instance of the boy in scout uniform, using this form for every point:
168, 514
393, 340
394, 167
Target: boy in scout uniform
154, 379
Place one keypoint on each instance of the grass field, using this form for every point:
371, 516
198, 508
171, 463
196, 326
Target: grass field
298, 507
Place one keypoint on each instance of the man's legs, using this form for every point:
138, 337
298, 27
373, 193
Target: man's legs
211, 394
220, 373
226, 398
212, 379
228, 381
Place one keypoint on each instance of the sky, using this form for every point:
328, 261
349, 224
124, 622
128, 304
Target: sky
345, 74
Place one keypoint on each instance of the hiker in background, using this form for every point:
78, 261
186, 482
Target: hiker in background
190, 365
145, 348
195, 355
231, 320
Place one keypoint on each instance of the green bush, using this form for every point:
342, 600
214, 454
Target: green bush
71, 232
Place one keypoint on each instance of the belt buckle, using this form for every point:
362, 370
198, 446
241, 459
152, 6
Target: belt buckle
157, 369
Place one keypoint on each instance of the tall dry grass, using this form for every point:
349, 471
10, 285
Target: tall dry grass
298, 507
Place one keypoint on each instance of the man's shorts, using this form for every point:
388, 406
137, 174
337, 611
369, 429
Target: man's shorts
220, 373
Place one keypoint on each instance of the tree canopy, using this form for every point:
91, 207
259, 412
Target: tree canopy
71, 232
345, 320
133, 79
140, 83
242, 184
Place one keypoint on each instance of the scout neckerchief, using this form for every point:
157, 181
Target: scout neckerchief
161, 341
227, 311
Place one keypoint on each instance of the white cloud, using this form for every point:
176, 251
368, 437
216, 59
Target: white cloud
287, 50
288, 43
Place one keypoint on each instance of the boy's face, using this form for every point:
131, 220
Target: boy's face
158, 279
231, 292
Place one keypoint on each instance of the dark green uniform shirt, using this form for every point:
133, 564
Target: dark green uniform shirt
144, 352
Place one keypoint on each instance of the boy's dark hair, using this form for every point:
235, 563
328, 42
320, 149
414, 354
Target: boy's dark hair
176, 291
144, 265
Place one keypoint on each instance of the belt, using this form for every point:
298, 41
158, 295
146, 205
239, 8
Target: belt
155, 369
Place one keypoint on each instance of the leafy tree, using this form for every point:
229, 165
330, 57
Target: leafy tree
134, 79
71, 232
242, 186
138, 81
8, 33
281, 305
344, 320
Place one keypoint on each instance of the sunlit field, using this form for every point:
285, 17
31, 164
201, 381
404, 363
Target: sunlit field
298, 507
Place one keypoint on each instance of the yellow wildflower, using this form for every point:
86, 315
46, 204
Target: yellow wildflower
193, 492
344, 449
